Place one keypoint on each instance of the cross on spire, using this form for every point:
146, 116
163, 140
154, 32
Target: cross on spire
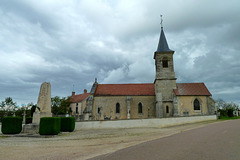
162, 44
161, 21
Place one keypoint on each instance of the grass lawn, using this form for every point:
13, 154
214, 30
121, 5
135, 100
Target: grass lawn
227, 118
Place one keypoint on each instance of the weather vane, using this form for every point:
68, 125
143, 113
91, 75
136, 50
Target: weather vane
161, 21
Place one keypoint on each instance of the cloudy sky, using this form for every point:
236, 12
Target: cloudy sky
70, 42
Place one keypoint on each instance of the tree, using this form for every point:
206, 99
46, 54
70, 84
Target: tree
60, 106
225, 108
8, 105
24, 108
220, 104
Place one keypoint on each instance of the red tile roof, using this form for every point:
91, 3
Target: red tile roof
79, 97
148, 89
144, 89
191, 89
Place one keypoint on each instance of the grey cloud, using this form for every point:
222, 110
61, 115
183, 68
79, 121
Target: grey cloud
25, 10
70, 43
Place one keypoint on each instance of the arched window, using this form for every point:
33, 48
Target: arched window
196, 105
165, 63
140, 108
167, 109
117, 108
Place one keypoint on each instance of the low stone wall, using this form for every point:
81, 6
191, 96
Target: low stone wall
156, 122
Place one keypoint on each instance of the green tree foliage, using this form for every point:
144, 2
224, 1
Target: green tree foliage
28, 120
8, 104
10, 108
225, 108
7, 107
60, 106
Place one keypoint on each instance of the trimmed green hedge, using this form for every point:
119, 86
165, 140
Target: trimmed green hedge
67, 124
49, 126
28, 120
11, 125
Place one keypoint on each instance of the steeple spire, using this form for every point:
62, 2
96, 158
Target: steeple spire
162, 44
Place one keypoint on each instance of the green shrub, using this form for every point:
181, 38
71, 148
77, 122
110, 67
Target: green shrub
11, 125
227, 112
49, 126
28, 120
67, 124
230, 112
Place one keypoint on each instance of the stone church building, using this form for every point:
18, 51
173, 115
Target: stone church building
162, 98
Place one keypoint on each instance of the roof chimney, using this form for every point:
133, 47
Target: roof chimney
85, 90
73, 93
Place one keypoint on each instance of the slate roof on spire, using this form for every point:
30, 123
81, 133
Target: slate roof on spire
162, 44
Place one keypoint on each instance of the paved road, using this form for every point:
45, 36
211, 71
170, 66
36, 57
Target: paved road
217, 141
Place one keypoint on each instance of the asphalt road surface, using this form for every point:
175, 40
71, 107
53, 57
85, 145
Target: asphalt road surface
217, 141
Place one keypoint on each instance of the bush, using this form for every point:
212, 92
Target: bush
227, 112
230, 112
11, 125
223, 112
28, 120
67, 124
49, 126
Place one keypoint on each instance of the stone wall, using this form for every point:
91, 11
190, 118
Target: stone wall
170, 109
73, 107
161, 122
164, 73
165, 87
212, 109
185, 105
81, 107
105, 106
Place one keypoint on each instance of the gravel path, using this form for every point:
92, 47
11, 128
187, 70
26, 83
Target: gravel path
82, 144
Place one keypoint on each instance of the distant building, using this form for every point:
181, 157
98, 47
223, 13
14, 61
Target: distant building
162, 98
78, 104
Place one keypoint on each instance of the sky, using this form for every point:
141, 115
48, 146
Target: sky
70, 42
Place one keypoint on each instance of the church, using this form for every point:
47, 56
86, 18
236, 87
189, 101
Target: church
162, 98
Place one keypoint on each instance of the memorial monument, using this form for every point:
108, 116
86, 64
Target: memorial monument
43, 109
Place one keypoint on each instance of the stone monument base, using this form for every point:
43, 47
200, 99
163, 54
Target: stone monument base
36, 118
30, 128
38, 115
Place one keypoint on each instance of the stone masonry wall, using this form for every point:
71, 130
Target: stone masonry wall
107, 107
185, 104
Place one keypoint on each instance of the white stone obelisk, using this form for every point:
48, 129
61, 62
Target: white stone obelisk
43, 108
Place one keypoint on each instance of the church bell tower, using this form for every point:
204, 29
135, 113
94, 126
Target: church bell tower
165, 80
